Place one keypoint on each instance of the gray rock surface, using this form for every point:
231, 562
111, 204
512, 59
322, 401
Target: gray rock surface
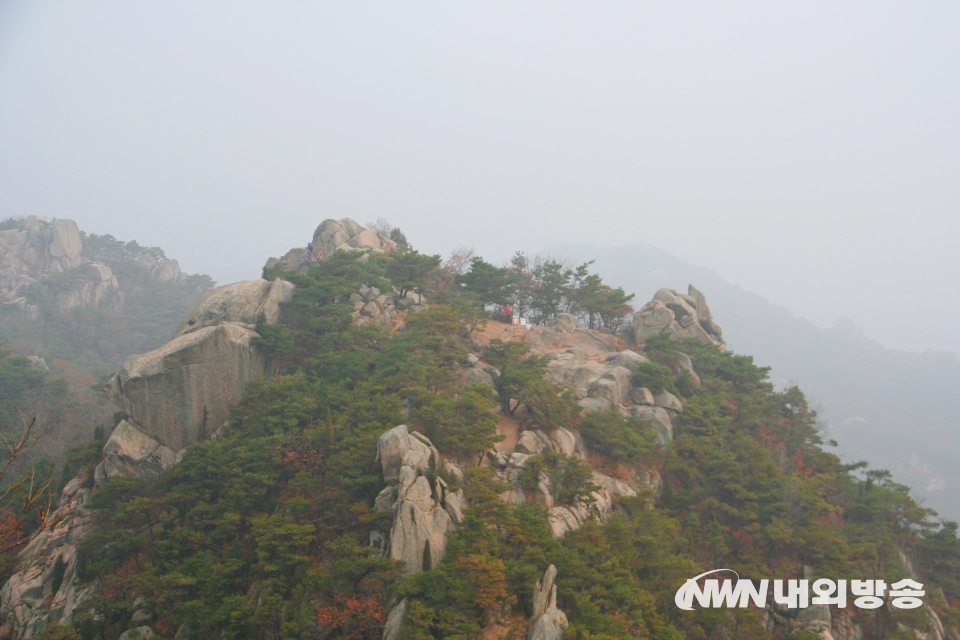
184, 390
37, 250
27, 600
394, 624
422, 508
346, 234
669, 401
676, 314
642, 395
656, 417
131, 453
547, 622
241, 302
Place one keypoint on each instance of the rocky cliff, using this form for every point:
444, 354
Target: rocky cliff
415, 509
39, 259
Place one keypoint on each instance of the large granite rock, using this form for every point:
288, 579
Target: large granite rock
184, 390
547, 622
656, 417
36, 250
602, 506
242, 302
131, 453
345, 234
676, 314
416, 510
65, 242
391, 630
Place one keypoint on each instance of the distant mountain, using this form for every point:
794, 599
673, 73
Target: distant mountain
899, 411
77, 306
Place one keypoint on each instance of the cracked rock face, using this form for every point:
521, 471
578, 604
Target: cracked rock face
418, 505
676, 314
547, 622
184, 390
28, 602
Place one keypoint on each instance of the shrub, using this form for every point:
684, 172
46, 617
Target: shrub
653, 376
617, 437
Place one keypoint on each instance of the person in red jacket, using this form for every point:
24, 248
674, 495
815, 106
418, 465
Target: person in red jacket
508, 313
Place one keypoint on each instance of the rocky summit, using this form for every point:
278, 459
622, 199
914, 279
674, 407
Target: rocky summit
367, 443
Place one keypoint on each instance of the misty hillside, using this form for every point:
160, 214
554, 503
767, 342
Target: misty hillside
73, 308
370, 443
900, 411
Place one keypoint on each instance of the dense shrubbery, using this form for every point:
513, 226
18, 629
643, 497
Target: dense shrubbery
263, 532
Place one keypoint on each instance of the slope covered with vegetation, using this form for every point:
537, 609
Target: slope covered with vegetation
263, 533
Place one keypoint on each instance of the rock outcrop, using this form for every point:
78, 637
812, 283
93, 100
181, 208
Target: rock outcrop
347, 235
45, 587
131, 453
38, 250
417, 507
183, 391
676, 314
547, 622
371, 306
415, 511
241, 302
34, 252
600, 373
601, 504
333, 235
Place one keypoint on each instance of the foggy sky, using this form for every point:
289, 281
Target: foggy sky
807, 151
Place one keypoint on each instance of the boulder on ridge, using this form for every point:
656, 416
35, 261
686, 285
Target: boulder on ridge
183, 391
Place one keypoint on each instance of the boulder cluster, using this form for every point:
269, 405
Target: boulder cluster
598, 368
676, 314
370, 306
332, 235
38, 250
35, 251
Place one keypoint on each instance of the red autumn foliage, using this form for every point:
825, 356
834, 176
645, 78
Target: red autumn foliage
356, 617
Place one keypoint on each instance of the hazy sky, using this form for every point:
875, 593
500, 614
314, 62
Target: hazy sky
808, 151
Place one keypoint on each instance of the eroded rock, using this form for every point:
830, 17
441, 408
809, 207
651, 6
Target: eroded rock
676, 314
422, 508
547, 622
240, 302
183, 391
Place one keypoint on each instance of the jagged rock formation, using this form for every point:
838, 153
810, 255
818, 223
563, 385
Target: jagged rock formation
547, 622
333, 235
35, 252
39, 592
599, 370
38, 250
241, 302
173, 396
420, 507
416, 509
562, 518
183, 391
673, 313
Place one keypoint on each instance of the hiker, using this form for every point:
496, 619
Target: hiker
319, 256
508, 313
310, 247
